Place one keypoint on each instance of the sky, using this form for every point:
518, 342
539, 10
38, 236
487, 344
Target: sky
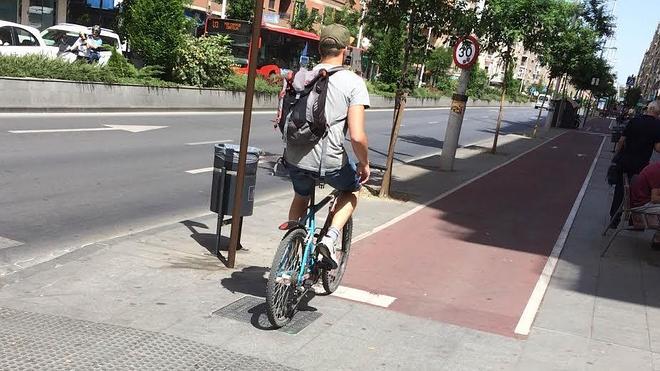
636, 22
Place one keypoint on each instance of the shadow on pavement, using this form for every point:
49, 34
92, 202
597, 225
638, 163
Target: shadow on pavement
207, 240
422, 141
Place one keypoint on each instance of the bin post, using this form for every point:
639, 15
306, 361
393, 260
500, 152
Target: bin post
220, 214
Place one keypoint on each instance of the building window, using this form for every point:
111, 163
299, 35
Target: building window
9, 10
101, 4
42, 13
271, 4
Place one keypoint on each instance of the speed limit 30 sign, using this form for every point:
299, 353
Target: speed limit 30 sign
466, 52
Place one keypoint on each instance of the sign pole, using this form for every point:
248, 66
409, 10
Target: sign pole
466, 52
245, 133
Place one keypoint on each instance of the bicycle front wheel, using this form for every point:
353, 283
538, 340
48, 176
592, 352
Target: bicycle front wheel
281, 286
332, 278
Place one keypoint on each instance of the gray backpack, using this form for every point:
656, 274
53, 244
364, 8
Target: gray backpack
303, 121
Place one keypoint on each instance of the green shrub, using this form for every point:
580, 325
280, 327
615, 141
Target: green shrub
431, 93
204, 61
238, 82
155, 30
41, 67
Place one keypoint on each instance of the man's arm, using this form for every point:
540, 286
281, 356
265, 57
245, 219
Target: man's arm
359, 140
620, 144
655, 195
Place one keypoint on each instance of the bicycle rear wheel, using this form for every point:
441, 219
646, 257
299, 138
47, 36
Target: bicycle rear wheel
281, 286
332, 278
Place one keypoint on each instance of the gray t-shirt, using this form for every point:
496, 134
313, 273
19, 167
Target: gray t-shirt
345, 89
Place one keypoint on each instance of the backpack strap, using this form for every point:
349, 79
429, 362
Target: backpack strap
318, 113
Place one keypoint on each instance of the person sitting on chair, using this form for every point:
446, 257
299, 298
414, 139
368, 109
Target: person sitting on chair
634, 150
645, 196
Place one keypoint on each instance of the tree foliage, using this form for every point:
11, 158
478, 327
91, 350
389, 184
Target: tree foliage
155, 29
345, 16
304, 19
240, 9
204, 61
632, 97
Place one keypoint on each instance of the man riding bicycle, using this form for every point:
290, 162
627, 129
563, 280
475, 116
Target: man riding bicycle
347, 98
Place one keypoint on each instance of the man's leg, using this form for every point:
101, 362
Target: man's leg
346, 204
298, 206
616, 201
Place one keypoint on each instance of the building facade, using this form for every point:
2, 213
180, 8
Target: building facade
648, 78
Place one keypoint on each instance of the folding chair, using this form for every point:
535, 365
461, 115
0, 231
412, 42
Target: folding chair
632, 218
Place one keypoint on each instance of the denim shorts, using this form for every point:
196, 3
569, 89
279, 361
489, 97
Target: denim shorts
345, 179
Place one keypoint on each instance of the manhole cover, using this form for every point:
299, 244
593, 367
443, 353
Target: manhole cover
252, 310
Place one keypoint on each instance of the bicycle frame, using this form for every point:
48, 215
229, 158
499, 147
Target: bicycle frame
309, 221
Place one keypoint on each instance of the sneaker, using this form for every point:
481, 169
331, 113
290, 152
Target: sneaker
327, 248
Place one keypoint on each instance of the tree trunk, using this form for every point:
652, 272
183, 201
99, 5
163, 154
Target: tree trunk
562, 103
538, 118
499, 115
399, 106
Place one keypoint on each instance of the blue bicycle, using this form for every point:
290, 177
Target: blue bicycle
296, 266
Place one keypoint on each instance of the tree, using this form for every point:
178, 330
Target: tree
345, 16
155, 29
479, 84
304, 20
204, 61
438, 65
507, 23
633, 95
412, 17
240, 9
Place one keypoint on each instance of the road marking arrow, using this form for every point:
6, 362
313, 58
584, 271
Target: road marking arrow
129, 128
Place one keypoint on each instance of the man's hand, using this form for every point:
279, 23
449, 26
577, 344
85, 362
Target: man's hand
363, 172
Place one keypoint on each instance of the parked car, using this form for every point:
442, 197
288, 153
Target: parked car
70, 33
542, 100
18, 39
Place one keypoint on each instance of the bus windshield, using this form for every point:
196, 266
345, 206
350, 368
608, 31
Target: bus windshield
285, 50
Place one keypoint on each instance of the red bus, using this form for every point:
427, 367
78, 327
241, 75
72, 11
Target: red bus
280, 48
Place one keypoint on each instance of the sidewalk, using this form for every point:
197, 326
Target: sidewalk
148, 300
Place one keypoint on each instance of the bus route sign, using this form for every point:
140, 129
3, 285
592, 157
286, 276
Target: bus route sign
216, 26
466, 52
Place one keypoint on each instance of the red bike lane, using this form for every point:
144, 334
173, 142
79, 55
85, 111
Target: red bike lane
473, 257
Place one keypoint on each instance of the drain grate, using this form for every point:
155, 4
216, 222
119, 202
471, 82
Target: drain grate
252, 310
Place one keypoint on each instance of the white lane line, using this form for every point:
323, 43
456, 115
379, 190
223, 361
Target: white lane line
435, 199
209, 142
529, 314
433, 122
6, 243
199, 171
129, 128
364, 296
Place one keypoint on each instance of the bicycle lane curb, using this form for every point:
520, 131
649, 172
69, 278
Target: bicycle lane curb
474, 256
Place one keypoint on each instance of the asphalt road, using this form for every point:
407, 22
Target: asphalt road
60, 190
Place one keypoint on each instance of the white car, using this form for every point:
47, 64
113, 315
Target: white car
70, 33
18, 39
543, 100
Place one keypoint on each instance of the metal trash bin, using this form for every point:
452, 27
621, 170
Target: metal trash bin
223, 188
